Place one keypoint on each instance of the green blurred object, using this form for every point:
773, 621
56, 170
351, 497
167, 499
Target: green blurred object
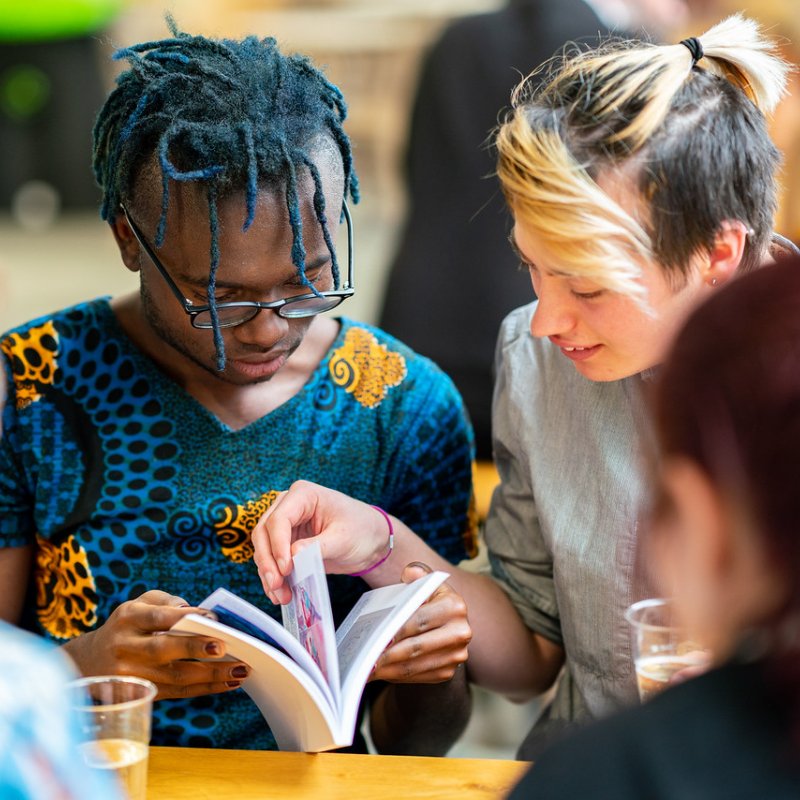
38, 20
24, 91
51, 86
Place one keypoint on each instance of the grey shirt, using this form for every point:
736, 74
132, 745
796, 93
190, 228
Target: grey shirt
561, 530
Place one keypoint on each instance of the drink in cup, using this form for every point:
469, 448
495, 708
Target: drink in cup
114, 714
661, 647
654, 673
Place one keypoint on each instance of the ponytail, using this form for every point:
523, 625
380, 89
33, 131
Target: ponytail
685, 122
735, 49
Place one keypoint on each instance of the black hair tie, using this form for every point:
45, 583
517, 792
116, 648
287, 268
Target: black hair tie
694, 47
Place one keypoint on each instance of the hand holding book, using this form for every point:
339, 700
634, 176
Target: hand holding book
433, 642
306, 678
353, 538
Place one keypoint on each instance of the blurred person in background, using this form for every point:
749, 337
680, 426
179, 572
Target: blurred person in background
724, 539
145, 435
453, 277
624, 175
39, 735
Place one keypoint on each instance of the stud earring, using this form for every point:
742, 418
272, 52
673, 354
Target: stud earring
713, 281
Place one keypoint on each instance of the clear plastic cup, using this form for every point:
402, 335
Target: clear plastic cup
661, 646
114, 715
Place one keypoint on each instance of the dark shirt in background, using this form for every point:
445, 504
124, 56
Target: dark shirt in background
454, 276
721, 736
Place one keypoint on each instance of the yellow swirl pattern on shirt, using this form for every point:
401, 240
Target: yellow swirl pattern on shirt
66, 596
233, 531
33, 357
366, 368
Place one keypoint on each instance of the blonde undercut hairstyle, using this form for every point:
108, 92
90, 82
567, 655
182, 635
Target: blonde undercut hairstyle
692, 137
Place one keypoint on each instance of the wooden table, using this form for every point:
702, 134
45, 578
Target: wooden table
196, 774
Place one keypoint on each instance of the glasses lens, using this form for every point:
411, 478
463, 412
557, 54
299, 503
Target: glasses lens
228, 316
309, 306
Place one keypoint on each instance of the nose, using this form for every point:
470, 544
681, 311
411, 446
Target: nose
555, 312
264, 330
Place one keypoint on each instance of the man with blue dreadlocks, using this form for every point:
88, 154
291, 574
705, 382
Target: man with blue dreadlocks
145, 436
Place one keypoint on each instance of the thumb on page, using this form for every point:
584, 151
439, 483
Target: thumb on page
414, 570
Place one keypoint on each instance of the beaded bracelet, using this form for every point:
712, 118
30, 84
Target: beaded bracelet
388, 553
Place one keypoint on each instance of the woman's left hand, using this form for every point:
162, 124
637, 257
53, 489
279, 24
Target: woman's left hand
432, 644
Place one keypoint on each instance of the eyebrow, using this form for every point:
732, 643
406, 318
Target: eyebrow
202, 283
525, 260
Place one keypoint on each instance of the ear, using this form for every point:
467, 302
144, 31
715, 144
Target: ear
726, 254
129, 248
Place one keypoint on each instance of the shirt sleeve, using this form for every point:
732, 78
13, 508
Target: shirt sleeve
15, 499
430, 486
520, 559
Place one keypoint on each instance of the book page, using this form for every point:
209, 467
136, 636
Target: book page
300, 715
308, 616
242, 616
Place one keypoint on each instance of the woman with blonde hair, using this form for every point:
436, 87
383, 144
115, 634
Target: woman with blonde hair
724, 530
641, 178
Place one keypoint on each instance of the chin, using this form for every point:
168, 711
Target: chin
606, 373
601, 374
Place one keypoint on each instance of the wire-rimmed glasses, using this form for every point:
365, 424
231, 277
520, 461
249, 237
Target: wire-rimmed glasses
229, 315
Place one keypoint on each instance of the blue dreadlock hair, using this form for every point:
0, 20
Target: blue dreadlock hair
231, 114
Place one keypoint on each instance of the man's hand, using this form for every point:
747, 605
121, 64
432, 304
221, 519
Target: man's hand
135, 640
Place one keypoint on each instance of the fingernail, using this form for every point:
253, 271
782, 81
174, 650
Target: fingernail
270, 579
239, 672
282, 564
213, 649
272, 598
233, 684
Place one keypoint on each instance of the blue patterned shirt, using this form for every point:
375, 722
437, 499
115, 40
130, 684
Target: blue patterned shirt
125, 483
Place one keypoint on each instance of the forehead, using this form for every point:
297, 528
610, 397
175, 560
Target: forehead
621, 184
531, 246
594, 236
251, 259
188, 201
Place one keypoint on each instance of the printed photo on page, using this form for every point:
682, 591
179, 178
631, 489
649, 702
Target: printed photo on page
308, 615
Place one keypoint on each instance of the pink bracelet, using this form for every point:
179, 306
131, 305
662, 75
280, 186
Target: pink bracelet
389, 552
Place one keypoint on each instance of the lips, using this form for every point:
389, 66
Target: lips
576, 352
261, 367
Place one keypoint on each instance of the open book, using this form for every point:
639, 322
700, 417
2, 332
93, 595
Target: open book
306, 677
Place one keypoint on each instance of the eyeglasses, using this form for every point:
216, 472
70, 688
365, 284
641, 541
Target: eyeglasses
229, 315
